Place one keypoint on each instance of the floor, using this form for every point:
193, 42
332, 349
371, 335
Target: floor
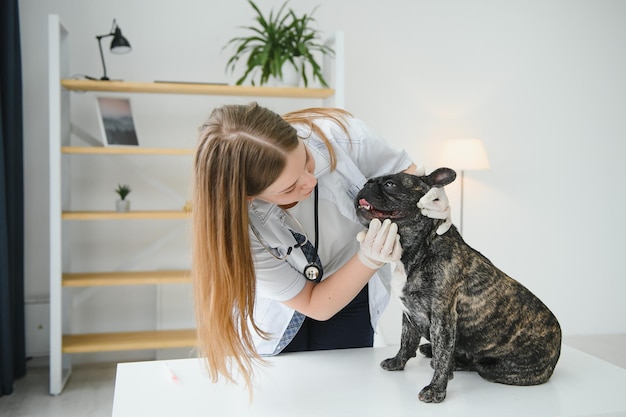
89, 392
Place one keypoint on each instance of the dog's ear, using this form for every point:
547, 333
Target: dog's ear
441, 177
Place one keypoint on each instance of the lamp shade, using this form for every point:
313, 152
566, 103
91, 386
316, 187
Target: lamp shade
465, 154
119, 44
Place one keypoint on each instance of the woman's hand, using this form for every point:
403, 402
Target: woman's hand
434, 204
380, 244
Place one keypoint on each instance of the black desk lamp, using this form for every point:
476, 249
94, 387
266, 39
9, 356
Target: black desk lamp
119, 45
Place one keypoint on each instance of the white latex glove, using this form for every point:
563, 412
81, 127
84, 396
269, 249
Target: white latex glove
434, 204
380, 244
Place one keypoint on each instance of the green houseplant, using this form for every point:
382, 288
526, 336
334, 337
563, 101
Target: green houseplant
122, 204
281, 38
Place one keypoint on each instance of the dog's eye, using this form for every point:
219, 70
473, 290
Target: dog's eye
389, 184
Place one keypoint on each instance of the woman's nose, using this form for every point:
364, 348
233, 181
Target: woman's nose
309, 181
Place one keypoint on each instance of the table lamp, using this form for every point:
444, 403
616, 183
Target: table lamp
463, 155
119, 45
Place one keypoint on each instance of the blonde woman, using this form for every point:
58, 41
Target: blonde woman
276, 266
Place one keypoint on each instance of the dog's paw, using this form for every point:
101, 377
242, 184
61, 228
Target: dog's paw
426, 349
431, 394
393, 364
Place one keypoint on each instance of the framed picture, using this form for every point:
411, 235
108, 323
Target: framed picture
116, 121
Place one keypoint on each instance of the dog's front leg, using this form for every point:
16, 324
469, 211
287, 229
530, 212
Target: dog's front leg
443, 335
408, 346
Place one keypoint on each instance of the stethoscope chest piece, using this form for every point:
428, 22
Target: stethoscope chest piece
313, 272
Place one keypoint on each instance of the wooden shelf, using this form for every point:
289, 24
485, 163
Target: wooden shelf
127, 150
97, 279
129, 215
108, 342
62, 154
194, 88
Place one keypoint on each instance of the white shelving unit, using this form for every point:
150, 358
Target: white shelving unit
63, 343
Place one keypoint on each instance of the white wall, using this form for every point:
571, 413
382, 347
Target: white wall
540, 82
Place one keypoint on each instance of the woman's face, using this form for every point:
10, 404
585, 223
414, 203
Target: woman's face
296, 182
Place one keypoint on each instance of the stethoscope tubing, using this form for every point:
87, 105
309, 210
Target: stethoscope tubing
313, 271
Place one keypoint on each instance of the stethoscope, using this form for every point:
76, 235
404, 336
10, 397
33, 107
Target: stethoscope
313, 270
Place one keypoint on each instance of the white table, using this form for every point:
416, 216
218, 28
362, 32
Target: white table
351, 383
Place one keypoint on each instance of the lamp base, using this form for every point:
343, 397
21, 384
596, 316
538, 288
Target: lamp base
105, 78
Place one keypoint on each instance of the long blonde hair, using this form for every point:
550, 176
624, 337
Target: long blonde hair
242, 150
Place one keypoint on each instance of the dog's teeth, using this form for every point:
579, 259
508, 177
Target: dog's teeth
364, 204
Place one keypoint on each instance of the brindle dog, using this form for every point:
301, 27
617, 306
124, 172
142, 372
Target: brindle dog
475, 317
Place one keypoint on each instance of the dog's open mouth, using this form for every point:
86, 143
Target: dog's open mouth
379, 214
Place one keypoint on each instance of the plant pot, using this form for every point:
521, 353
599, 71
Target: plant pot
122, 205
291, 76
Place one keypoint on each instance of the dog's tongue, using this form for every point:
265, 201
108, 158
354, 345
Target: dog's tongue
363, 203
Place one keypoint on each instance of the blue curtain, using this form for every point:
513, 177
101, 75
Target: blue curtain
12, 339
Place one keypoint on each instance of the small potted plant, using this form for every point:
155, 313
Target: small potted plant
281, 42
122, 204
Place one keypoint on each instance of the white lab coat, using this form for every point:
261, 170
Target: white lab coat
362, 155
